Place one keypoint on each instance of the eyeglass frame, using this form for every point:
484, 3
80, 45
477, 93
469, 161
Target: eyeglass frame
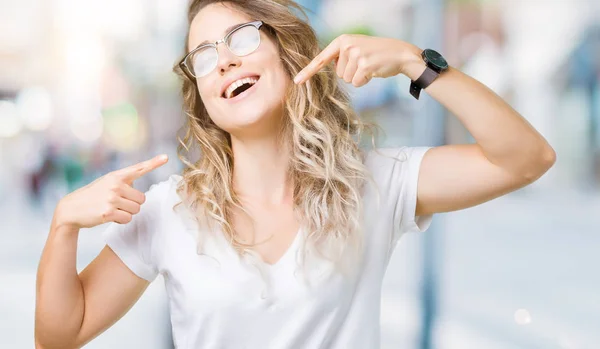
183, 63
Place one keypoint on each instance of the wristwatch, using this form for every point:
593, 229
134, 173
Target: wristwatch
436, 64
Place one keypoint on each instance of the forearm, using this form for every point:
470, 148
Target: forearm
505, 137
59, 294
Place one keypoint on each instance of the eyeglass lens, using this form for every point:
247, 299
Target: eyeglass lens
240, 42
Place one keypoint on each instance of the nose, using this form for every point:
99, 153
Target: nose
227, 60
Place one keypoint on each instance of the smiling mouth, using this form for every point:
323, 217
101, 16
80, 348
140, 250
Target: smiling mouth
239, 87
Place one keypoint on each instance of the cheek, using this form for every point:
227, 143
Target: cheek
283, 83
207, 95
280, 80
206, 88
213, 109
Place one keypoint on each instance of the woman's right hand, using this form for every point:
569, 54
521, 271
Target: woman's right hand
110, 198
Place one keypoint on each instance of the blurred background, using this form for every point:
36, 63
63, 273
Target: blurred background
86, 87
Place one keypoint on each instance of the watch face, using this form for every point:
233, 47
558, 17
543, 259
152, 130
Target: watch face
435, 59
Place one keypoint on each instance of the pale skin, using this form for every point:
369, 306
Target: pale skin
72, 309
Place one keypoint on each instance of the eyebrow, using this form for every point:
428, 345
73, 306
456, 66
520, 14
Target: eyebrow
225, 32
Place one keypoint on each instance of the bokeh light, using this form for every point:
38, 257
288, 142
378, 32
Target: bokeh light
123, 129
522, 317
35, 108
87, 127
10, 123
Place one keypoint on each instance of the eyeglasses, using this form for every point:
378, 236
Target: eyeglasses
241, 41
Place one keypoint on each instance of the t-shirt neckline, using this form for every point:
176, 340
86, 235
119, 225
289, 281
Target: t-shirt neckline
283, 260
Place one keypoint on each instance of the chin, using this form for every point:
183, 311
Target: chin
257, 115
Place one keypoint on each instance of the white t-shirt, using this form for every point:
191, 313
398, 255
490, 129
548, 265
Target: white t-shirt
217, 301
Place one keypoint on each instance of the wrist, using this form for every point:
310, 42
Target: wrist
412, 64
61, 222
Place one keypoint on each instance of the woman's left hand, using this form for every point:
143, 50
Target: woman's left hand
361, 58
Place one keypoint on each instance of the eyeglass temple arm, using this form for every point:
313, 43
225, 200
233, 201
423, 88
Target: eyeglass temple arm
185, 70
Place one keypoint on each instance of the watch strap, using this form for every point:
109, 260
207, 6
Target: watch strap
428, 76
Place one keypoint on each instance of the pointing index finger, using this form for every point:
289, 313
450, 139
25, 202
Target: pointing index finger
136, 171
322, 59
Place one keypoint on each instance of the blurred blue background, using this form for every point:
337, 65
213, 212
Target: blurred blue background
86, 87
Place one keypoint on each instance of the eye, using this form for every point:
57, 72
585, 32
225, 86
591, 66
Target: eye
244, 40
204, 61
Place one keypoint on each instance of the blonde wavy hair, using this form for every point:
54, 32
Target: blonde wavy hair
321, 128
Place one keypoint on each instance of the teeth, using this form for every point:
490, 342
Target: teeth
237, 84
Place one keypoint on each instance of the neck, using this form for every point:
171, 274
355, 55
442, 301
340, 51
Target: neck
260, 171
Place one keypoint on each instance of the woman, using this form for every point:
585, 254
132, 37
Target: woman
280, 234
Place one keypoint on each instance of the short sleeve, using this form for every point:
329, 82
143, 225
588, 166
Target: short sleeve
135, 243
396, 174
405, 216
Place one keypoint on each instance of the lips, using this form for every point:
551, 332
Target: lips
234, 82
243, 94
238, 87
